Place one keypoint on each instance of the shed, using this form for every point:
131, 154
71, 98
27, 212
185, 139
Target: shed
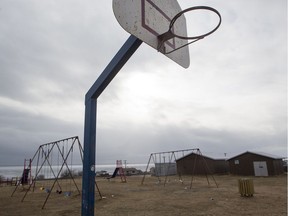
164, 169
198, 164
256, 164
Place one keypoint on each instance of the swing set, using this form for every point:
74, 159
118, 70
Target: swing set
54, 164
165, 165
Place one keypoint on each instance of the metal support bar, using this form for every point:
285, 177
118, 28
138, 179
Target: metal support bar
88, 179
119, 60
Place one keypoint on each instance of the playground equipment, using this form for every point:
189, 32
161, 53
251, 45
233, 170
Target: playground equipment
26, 177
51, 168
119, 170
165, 165
51, 159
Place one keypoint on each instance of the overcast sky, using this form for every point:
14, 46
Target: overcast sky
232, 98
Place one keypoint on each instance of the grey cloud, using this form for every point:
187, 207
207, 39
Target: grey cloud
139, 143
51, 52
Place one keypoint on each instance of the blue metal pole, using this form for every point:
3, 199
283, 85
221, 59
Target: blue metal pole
88, 179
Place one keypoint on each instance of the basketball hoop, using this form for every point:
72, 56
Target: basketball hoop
170, 34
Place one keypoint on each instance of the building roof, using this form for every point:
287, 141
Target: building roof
193, 153
257, 153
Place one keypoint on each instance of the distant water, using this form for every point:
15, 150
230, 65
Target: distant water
16, 171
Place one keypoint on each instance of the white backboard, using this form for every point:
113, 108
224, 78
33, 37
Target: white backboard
146, 19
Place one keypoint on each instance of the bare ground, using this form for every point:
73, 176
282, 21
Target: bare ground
153, 198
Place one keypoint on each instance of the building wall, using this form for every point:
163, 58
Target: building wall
278, 167
221, 166
194, 164
164, 169
243, 164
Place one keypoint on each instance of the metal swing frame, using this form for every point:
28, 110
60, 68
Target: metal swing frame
171, 156
47, 155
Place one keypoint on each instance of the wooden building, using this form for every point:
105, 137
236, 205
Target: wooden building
198, 164
256, 164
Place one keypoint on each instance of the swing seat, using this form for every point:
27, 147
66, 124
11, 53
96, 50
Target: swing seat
47, 190
42, 188
58, 191
68, 193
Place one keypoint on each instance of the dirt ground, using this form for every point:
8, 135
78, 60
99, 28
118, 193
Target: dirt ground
153, 198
